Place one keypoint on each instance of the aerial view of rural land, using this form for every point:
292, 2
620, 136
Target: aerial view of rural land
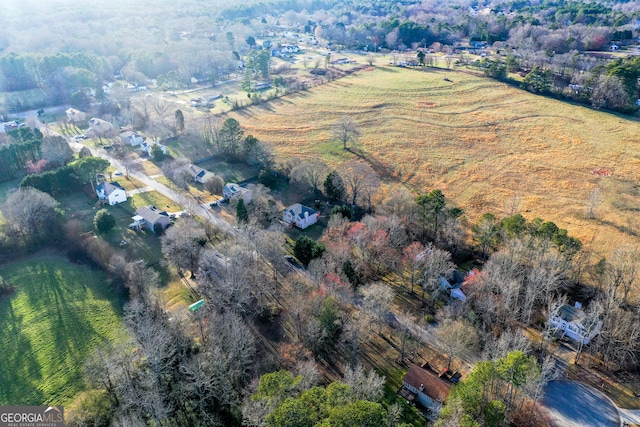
319, 213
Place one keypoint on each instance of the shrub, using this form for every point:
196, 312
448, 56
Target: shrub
103, 221
307, 249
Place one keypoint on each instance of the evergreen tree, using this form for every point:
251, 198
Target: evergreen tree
103, 221
334, 186
307, 249
242, 215
179, 121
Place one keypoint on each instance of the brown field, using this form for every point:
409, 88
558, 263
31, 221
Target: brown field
482, 142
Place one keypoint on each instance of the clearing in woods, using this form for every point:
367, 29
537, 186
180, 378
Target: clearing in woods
484, 143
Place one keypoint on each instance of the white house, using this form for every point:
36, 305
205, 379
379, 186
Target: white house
112, 192
131, 138
426, 387
147, 147
300, 216
232, 191
573, 322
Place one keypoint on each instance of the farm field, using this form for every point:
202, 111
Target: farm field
482, 142
59, 313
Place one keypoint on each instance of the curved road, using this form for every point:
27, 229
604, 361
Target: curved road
572, 404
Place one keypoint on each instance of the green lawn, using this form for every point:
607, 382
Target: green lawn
58, 315
230, 172
152, 198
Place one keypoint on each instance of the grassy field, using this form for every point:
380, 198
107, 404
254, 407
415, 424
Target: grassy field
482, 142
230, 172
59, 313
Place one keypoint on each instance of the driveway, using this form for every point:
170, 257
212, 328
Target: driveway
572, 404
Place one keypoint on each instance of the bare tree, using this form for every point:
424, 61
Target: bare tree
346, 131
508, 341
313, 173
270, 245
364, 385
30, 214
161, 108
210, 131
449, 60
358, 177
56, 150
591, 322
593, 202
456, 338
411, 262
182, 244
377, 298
552, 309
620, 275
233, 280
437, 263
408, 338
356, 327
214, 185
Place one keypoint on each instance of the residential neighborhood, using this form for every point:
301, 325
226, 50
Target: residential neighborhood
322, 214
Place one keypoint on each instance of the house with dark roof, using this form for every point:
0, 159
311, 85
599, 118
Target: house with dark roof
112, 192
150, 218
300, 216
426, 387
573, 322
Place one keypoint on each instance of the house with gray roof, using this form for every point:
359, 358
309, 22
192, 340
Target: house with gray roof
574, 323
299, 215
112, 192
150, 218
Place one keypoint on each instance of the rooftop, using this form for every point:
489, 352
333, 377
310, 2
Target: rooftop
109, 187
299, 210
149, 213
433, 386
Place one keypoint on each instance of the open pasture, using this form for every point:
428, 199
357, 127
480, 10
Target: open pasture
58, 314
485, 144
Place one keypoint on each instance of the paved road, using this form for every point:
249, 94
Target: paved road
572, 404
180, 198
630, 416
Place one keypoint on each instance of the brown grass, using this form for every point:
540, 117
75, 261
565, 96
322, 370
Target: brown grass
481, 142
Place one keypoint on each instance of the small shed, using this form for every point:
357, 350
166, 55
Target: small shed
196, 306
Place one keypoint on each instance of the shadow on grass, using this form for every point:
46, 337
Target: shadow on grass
19, 367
